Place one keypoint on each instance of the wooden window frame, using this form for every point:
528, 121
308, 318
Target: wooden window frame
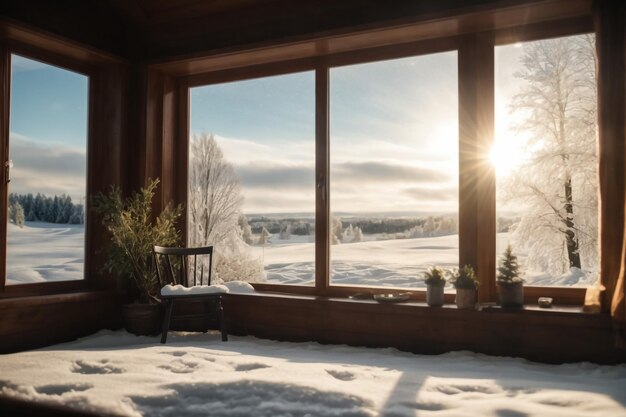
102, 136
475, 54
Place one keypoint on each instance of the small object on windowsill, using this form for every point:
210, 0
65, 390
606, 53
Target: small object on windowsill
391, 298
486, 305
545, 302
360, 296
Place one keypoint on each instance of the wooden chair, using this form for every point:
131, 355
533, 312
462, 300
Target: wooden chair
187, 269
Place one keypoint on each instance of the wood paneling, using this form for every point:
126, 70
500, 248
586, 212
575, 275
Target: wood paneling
30, 322
547, 336
610, 46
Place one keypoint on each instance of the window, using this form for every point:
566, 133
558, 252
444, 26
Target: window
45, 239
546, 158
252, 177
394, 181
394, 158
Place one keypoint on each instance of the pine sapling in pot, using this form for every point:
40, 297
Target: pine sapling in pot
134, 230
510, 284
466, 284
435, 281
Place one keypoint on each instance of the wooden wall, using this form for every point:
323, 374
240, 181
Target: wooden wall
546, 336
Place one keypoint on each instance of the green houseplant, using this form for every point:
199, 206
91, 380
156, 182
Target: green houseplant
466, 284
435, 281
134, 230
510, 284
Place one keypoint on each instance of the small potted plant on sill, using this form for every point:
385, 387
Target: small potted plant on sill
466, 284
435, 281
510, 284
134, 230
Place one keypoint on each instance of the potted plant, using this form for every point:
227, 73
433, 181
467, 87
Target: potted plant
134, 230
466, 284
510, 284
435, 281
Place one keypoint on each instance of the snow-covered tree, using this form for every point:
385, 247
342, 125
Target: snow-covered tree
285, 232
214, 207
78, 214
336, 229
214, 192
16, 213
246, 230
264, 236
358, 235
557, 184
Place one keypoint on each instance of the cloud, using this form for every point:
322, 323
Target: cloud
443, 194
276, 176
376, 171
46, 169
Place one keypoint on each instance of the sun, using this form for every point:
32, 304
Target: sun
506, 155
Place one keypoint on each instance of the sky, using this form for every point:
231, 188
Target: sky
48, 129
393, 145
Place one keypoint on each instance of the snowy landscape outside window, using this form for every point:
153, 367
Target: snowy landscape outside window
252, 178
394, 167
46, 195
546, 158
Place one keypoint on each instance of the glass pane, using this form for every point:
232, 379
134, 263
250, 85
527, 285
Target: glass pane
252, 177
546, 159
394, 170
48, 149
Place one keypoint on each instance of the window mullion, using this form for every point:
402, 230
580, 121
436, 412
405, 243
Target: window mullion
322, 164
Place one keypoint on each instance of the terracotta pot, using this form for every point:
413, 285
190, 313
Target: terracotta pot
465, 298
142, 319
434, 295
511, 295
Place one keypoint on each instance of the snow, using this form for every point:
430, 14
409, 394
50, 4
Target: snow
169, 290
197, 374
41, 252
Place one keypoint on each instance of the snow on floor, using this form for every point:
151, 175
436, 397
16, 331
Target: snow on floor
198, 375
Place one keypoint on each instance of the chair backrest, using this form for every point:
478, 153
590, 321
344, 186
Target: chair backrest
184, 266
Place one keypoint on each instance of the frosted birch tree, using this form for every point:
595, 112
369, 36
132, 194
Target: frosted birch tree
557, 184
214, 209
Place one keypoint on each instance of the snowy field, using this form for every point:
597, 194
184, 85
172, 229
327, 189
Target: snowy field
43, 252
391, 262
198, 375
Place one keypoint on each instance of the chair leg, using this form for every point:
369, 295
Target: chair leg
169, 306
220, 311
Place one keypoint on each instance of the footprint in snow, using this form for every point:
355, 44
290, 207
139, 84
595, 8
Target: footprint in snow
180, 366
250, 366
341, 375
177, 353
60, 389
96, 367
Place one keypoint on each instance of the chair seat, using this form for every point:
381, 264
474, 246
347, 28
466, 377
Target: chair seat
180, 290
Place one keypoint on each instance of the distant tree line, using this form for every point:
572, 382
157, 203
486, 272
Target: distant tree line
296, 226
42, 208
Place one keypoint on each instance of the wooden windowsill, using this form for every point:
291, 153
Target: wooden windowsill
47, 299
448, 308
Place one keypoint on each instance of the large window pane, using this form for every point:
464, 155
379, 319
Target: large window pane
394, 170
48, 146
546, 158
252, 177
